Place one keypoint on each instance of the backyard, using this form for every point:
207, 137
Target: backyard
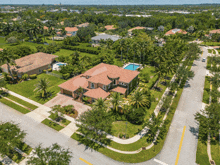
26, 88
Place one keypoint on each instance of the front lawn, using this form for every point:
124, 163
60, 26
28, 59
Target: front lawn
63, 121
26, 88
215, 150
52, 124
14, 106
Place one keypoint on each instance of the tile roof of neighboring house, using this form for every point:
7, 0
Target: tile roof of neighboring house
119, 90
68, 34
46, 28
136, 28
105, 37
97, 93
215, 31
174, 31
31, 62
1, 49
103, 71
215, 47
109, 27
83, 24
71, 29
74, 83
58, 32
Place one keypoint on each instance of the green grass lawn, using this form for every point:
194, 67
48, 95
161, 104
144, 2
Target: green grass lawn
206, 91
26, 88
209, 50
20, 101
64, 122
52, 124
144, 155
211, 43
14, 106
215, 150
120, 127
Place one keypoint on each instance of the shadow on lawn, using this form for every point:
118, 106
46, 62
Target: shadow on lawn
48, 96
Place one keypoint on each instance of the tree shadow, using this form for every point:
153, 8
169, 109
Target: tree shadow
194, 131
49, 95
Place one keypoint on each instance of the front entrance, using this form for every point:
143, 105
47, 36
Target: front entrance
67, 92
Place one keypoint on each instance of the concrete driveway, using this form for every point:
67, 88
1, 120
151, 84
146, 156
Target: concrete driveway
63, 100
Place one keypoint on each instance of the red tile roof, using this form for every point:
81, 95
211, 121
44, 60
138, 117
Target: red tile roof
174, 31
109, 27
96, 93
83, 24
119, 90
103, 71
45, 28
71, 29
58, 32
32, 61
136, 28
74, 83
1, 49
214, 31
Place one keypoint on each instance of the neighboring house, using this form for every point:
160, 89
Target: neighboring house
99, 81
214, 31
83, 25
46, 28
135, 28
71, 31
110, 27
96, 39
45, 21
16, 19
1, 49
31, 64
174, 31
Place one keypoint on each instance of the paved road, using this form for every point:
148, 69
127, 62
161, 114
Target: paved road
190, 103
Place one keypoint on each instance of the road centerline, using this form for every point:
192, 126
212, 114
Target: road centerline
85, 161
180, 146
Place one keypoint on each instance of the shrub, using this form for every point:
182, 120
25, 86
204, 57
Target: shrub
66, 76
120, 135
127, 136
25, 76
44, 71
49, 70
33, 76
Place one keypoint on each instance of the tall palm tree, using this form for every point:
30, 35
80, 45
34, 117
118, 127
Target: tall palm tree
116, 100
42, 86
99, 103
138, 99
7, 57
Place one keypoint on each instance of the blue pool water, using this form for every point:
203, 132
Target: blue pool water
132, 67
60, 64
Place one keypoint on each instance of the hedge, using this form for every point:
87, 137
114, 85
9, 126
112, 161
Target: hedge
49, 70
33, 76
82, 49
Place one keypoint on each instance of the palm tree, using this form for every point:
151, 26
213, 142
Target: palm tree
42, 85
116, 100
63, 31
56, 110
138, 99
7, 57
99, 103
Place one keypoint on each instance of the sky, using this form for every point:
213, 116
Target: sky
109, 2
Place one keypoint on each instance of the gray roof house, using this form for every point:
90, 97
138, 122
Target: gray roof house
96, 39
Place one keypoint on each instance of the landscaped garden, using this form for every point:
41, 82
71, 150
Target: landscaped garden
26, 88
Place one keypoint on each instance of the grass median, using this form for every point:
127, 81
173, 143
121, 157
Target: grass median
206, 91
52, 124
14, 106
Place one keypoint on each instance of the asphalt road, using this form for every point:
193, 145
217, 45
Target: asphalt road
190, 103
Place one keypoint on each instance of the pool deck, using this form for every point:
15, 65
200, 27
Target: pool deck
140, 65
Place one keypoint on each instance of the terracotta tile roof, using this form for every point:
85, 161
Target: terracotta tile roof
136, 28
58, 32
1, 49
96, 93
68, 34
215, 47
174, 31
109, 27
32, 61
83, 24
214, 31
71, 29
102, 71
74, 83
46, 28
119, 90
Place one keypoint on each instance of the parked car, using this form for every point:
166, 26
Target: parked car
203, 60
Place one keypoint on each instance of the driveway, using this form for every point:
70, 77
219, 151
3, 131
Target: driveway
63, 100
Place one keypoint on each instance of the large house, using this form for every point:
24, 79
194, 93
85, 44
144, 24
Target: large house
83, 25
71, 31
110, 27
174, 31
31, 64
98, 38
135, 28
99, 81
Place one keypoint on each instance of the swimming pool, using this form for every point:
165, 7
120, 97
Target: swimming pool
132, 67
60, 64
